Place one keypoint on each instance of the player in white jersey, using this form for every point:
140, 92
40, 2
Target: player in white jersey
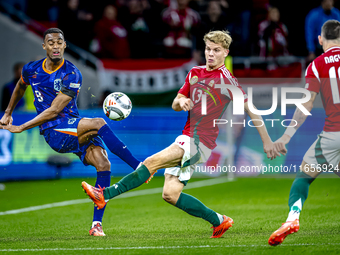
197, 140
322, 76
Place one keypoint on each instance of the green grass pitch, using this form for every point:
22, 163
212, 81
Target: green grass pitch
148, 225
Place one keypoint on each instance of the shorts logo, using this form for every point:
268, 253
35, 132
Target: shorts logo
75, 85
57, 84
71, 121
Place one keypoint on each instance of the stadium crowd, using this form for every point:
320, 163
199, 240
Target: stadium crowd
172, 28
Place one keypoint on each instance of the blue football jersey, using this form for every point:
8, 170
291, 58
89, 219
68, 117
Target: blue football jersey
46, 85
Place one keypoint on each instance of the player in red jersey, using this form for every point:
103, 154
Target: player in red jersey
322, 76
197, 140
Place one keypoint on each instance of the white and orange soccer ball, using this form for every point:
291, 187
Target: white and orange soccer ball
117, 106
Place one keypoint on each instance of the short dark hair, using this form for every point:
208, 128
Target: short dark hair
53, 30
331, 30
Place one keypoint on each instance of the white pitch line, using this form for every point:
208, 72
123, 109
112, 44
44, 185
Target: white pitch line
165, 247
137, 193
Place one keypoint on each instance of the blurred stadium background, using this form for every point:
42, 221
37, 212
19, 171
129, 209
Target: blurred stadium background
151, 75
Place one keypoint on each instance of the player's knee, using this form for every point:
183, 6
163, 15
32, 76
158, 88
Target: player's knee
103, 165
169, 197
98, 122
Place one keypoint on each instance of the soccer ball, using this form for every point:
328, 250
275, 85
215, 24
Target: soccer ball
117, 106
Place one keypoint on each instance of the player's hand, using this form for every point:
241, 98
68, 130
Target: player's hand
280, 144
6, 120
186, 104
271, 151
12, 128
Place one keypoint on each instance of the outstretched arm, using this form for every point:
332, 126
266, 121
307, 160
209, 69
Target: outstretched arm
298, 119
181, 102
58, 104
17, 94
268, 145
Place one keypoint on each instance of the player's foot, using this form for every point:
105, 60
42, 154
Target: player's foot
96, 194
97, 230
223, 227
279, 235
151, 176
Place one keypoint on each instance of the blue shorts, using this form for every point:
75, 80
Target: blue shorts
63, 138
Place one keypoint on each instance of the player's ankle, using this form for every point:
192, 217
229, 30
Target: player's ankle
220, 217
95, 223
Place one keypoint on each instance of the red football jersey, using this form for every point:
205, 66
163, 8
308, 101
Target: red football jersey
201, 83
323, 75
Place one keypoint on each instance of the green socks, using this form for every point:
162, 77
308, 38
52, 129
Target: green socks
196, 208
298, 194
130, 181
300, 188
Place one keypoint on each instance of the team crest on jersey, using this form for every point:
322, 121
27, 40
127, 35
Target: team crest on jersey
71, 121
193, 80
57, 84
211, 83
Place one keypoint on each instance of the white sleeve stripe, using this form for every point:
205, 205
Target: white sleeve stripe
315, 71
224, 91
227, 74
306, 72
231, 78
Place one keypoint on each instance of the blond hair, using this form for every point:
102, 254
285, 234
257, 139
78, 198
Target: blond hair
217, 37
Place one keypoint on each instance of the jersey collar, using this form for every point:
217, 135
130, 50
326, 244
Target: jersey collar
332, 48
48, 71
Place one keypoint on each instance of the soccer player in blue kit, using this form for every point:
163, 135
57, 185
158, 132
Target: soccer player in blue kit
56, 83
